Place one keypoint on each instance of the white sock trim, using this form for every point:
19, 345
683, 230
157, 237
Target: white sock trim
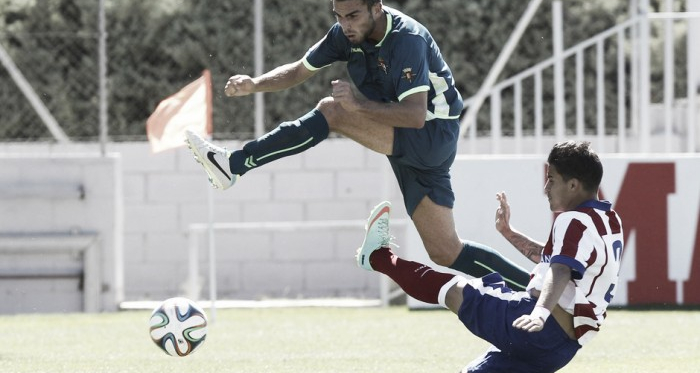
443, 290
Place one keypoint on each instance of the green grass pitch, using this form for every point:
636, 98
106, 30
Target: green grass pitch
294, 340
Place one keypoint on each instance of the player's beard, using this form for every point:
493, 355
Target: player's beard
364, 36
370, 30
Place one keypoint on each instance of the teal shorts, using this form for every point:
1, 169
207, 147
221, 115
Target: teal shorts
421, 162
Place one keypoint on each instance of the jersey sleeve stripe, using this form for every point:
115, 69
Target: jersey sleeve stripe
430, 116
572, 263
309, 66
440, 104
423, 88
572, 238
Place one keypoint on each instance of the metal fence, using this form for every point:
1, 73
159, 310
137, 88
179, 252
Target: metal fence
34, 95
59, 82
653, 107
60, 63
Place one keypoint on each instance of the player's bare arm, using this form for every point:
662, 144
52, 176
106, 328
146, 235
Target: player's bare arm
558, 276
278, 79
526, 245
409, 113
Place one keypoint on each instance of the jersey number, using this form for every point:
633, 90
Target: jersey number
617, 251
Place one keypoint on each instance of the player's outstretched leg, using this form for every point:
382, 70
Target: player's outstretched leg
376, 234
224, 167
416, 279
287, 139
214, 159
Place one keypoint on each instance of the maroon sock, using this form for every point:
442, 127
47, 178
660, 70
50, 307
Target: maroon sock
416, 279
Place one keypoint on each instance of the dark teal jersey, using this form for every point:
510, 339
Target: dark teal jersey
406, 61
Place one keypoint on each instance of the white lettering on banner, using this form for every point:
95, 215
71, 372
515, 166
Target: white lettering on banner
657, 198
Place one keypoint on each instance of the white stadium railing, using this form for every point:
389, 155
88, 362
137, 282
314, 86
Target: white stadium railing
633, 34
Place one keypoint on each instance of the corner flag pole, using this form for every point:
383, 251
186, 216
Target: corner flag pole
212, 255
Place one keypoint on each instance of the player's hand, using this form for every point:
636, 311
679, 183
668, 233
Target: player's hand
239, 85
502, 213
343, 94
529, 323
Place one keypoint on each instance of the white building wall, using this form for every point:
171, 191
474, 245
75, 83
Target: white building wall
60, 231
162, 194
166, 192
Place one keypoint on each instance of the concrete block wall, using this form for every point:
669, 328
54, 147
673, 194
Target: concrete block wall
164, 193
51, 207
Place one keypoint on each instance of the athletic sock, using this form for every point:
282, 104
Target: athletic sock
416, 279
479, 260
287, 139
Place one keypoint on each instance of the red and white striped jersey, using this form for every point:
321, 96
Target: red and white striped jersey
589, 240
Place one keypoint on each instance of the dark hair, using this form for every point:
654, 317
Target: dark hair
369, 3
576, 160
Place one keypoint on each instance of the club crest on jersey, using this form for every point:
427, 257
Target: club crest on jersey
382, 64
407, 74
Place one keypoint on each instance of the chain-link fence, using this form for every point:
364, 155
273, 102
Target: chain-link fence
154, 48
54, 51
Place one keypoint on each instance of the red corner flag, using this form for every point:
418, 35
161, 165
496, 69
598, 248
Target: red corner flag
191, 108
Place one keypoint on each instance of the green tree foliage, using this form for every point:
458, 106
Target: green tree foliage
155, 50
51, 43
157, 47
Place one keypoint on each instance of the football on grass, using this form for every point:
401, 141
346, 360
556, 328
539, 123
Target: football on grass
178, 326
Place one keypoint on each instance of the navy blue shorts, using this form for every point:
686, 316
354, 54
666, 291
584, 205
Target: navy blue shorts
489, 309
422, 159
